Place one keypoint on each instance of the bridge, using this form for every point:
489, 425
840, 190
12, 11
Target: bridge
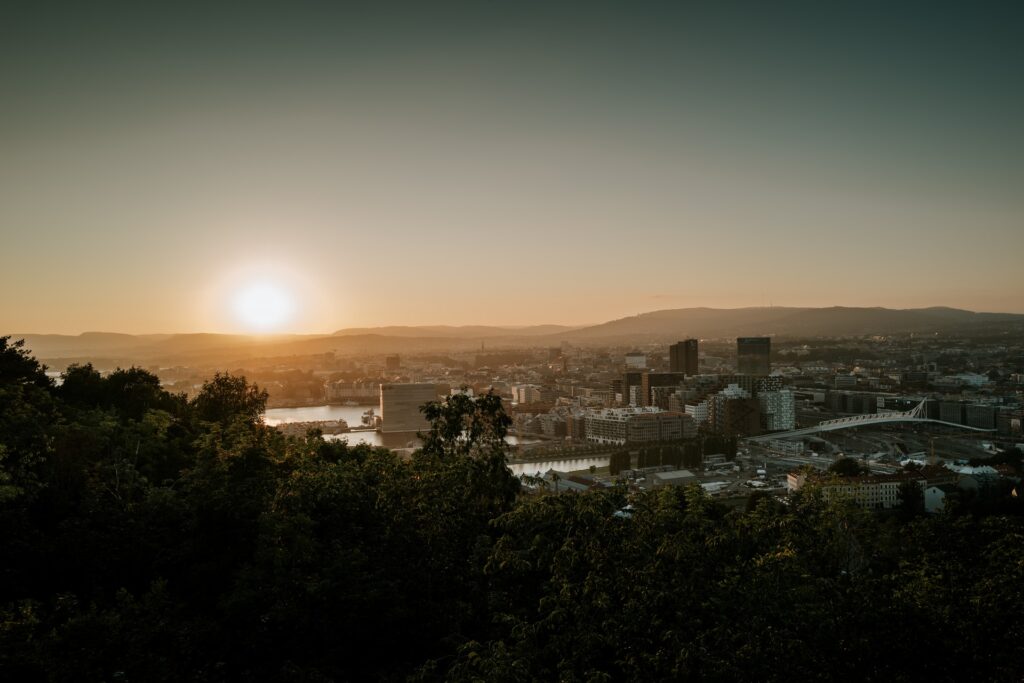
913, 415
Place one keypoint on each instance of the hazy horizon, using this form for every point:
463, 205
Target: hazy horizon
304, 168
512, 328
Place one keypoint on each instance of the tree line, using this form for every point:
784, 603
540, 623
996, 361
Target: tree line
147, 537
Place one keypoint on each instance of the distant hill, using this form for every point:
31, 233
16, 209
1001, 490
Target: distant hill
87, 343
666, 325
784, 321
462, 331
225, 350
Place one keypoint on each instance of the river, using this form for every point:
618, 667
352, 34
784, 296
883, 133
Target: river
353, 415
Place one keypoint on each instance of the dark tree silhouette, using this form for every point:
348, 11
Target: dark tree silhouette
226, 398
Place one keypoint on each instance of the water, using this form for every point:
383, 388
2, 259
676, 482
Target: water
353, 415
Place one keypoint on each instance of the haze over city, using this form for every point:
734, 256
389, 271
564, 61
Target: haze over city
318, 166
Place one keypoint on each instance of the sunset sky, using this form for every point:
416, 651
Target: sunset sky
358, 164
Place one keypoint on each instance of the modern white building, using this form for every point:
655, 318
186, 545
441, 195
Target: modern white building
700, 411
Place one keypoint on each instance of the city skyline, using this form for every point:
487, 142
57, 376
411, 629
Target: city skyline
194, 169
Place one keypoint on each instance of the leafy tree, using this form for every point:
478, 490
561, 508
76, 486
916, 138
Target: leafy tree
27, 412
135, 391
18, 367
911, 499
462, 424
226, 398
82, 385
846, 467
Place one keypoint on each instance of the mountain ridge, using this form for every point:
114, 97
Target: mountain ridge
661, 325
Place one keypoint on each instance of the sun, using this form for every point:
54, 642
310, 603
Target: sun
263, 306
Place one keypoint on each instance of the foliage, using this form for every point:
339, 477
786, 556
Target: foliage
460, 424
846, 467
226, 397
911, 498
146, 538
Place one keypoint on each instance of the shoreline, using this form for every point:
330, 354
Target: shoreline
319, 403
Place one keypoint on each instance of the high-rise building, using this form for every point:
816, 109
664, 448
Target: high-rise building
734, 412
651, 380
778, 410
392, 363
753, 355
400, 406
632, 396
682, 357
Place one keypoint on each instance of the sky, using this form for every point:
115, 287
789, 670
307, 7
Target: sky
167, 169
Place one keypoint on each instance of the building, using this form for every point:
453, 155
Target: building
636, 425
552, 425
682, 357
734, 412
392, 363
700, 411
935, 497
632, 388
524, 394
659, 480
636, 360
872, 492
359, 392
778, 410
848, 381
753, 356
400, 406
951, 411
851, 402
652, 380
981, 415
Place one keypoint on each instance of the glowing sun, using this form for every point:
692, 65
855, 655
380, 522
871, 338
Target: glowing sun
263, 306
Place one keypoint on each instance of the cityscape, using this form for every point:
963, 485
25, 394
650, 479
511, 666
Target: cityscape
468, 341
740, 414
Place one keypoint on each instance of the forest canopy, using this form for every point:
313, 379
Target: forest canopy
147, 537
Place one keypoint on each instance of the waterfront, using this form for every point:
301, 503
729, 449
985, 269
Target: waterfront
353, 415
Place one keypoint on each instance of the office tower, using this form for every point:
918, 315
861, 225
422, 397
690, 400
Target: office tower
778, 410
632, 390
752, 355
650, 380
682, 357
734, 412
400, 406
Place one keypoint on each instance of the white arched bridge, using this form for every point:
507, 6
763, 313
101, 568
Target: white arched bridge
913, 415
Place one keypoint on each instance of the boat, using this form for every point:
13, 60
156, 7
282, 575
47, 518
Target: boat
369, 418
350, 403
